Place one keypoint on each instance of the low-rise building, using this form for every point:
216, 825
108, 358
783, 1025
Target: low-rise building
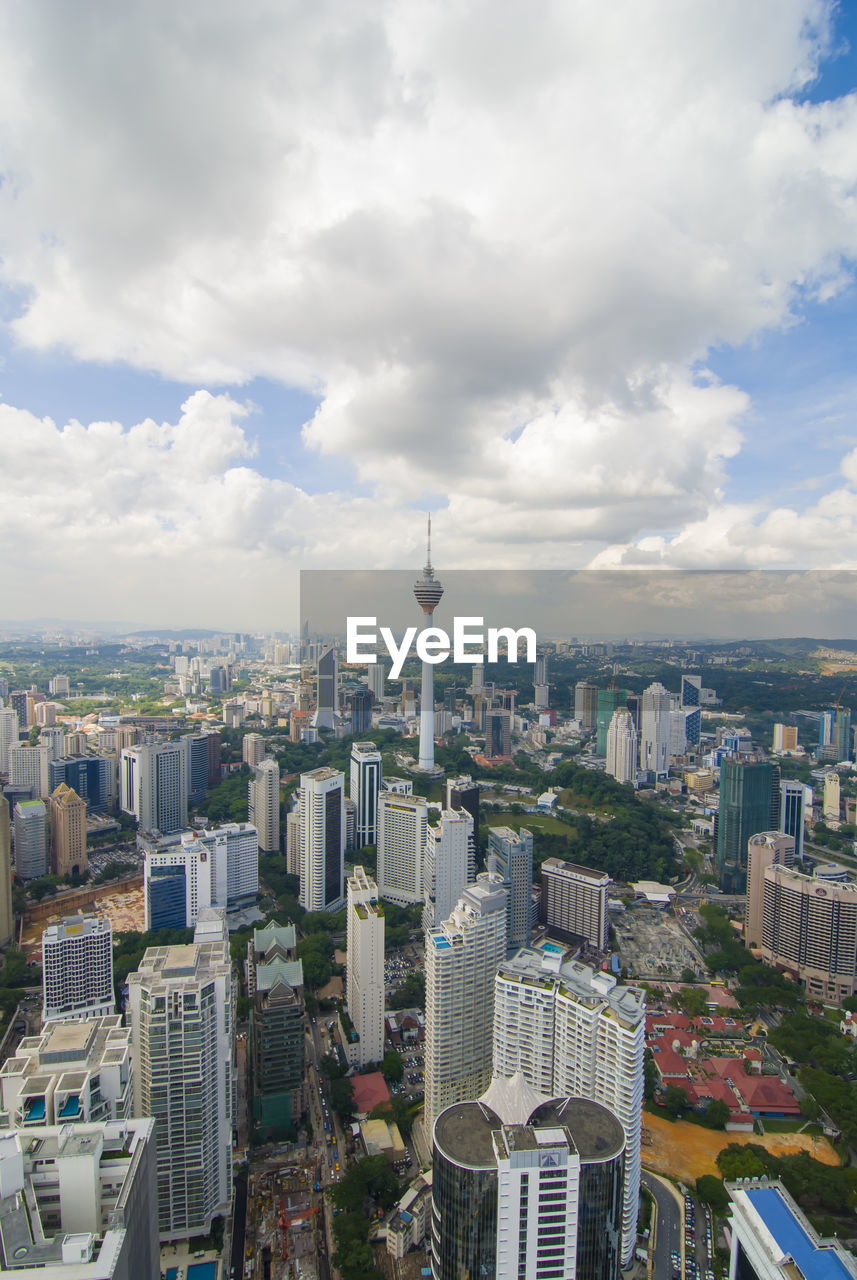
74, 1072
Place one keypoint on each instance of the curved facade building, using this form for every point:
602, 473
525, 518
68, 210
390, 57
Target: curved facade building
527, 1188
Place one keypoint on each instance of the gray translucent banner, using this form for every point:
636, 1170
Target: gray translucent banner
594, 605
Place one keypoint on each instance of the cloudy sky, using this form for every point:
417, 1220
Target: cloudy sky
276, 279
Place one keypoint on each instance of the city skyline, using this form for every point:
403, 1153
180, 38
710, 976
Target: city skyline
456, 280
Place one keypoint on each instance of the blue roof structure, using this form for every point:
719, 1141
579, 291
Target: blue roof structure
792, 1237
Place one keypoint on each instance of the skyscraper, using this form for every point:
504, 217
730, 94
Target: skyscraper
446, 868
28, 767
196, 765
361, 710
253, 748
655, 730
365, 783
746, 798
572, 1031
8, 735
91, 777
513, 853
764, 849
622, 747
218, 867
607, 701
321, 813
498, 733
153, 785
462, 956
365, 965
275, 984
527, 1187
402, 826
428, 592
68, 832
77, 969
792, 810
263, 807
586, 704
327, 691
7, 919
180, 1008
31, 839
376, 674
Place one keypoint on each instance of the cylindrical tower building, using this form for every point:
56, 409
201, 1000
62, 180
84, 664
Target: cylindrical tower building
526, 1188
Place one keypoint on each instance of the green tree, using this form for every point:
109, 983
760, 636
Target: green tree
675, 1101
712, 1192
392, 1067
715, 1115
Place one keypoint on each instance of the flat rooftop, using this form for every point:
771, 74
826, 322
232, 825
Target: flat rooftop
463, 1132
816, 1259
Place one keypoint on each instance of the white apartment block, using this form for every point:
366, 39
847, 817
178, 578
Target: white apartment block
73, 1073
78, 1201
402, 826
8, 735
573, 1032
77, 969
263, 809
463, 954
622, 747
365, 965
364, 785
180, 1007
28, 767
655, 729
447, 867
321, 814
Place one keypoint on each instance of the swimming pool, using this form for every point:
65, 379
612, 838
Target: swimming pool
172, 1273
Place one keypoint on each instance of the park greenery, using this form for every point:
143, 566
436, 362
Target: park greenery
813, 1185
368, 1186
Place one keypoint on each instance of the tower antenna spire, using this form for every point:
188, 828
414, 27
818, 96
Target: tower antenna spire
428, 544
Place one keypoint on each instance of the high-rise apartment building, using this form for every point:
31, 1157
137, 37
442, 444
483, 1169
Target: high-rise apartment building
513, 854
77, 1201
586, 705
622, 747
463, 954
31, 839
180, 1008
187, 873
7, 919
77, 969
573, 1032
321, 813
365, 965
365, 784
746, 801
153, 785
792, 811
263, 808
447, 867
253, 748
275, 983
831, 802
809, 930
54, 740
763, 850
28, 767
8, 735
67, 817
655, 730
361, 710
71, 1073
606, 702
573, 902
293, 844
402, 826
196, 765
526, 1188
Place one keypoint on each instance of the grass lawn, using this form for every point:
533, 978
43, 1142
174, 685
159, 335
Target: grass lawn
539, 821
790, 1126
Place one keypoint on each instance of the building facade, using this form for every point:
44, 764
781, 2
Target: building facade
67, 817
364, 786
513, 854
462, 956
402, 828
365, 965
77, 969
321, 814
263, 807
622, 747
573, 902
275, 984
746, 797
446, 868
31, 839
153, 785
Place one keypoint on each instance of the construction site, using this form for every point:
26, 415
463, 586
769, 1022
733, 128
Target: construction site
285, 1234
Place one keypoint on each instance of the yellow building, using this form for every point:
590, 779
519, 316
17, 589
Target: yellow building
68, 831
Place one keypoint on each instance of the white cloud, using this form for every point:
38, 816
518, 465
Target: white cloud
496, 246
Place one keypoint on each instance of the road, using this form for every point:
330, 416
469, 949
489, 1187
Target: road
669, 1228
239, 1224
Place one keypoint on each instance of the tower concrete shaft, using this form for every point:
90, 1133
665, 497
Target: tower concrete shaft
428, 592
